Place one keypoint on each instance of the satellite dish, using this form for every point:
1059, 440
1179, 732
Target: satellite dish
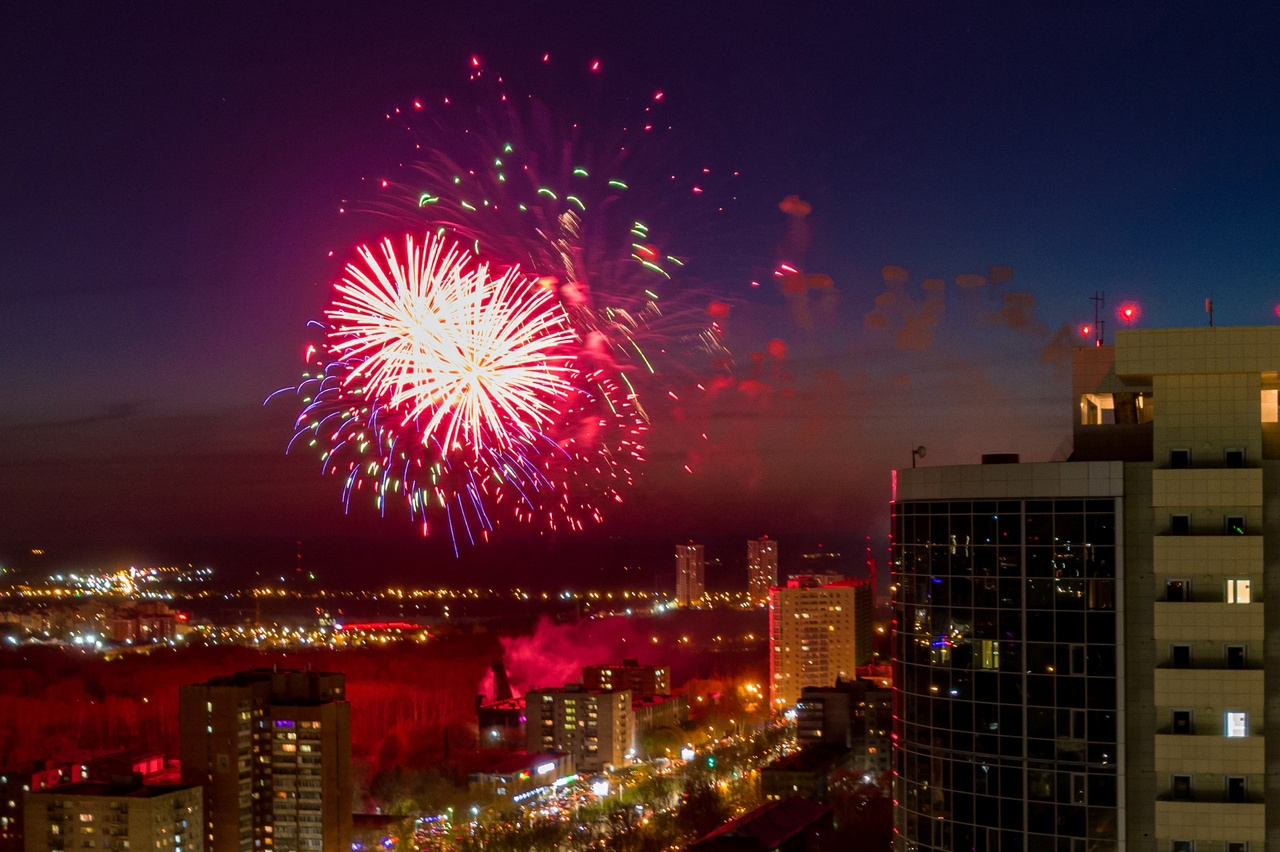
919, 451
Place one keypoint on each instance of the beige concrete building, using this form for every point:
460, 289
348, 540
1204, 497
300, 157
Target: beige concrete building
1081, 648
762, 568
1197, 755
818, 634
596, 726
272, 748
124, 815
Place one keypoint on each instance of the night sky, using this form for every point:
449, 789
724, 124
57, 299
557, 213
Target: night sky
171, 176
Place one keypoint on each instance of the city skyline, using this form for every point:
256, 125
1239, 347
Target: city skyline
172, 240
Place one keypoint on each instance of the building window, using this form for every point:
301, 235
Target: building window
1238, 592
1184, 846
1235, 656
1077, 789
1238, 846
1180, 656
1236, 723
1177, 591
1182, 722
1234, 524
1179, 459
1179, 525
1077, 724
1233, 458
1182, 787
1102, 594
1235, 788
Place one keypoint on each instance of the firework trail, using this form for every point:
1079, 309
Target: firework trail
569, 201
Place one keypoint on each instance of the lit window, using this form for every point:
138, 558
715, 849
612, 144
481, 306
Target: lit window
1237, 723
1238, 591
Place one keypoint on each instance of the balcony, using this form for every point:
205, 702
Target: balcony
1225, 555
1235, 689
1178, 754
1206, 488
1216, 821
1195, 621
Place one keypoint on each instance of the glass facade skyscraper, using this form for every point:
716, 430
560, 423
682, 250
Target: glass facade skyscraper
1006, 661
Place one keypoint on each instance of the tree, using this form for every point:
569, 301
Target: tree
701, 810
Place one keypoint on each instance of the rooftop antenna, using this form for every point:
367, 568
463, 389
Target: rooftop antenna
1208, 309
1099, 300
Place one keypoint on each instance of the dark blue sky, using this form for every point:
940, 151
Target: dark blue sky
170, 176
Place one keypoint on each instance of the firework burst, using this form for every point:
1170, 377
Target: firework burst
465, 397
475, 360
504, 380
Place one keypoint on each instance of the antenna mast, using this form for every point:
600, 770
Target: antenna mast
1099, 300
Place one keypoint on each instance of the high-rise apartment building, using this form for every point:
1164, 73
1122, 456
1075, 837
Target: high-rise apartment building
595, 726
122, 815
818, 634
762, 567
690, 577
272, 749
1080, 647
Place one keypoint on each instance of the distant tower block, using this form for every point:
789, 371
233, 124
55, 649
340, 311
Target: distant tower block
690, 574
762, 568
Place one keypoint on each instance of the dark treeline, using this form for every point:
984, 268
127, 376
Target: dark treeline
54, 700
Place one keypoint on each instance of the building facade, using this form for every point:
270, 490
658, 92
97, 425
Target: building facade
15, 783
857, 715
762, 568
818, 634
1081, 648
596, 727
117, 816
1006, 656
641, 680
690, 574
272, 750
